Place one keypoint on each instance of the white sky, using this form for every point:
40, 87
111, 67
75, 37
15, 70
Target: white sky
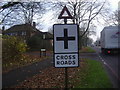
114, 4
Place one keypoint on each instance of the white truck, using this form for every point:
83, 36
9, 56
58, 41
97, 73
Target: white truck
110, 37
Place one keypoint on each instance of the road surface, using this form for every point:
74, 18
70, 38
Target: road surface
16, 76
111, 64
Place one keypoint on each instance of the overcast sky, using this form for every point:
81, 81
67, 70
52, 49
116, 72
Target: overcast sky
48, 22
114, 4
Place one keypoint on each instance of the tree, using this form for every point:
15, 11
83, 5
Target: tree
29, 10
89, 41
21, 12
9, 4
83, 12
35, 42
113, 18
6, 9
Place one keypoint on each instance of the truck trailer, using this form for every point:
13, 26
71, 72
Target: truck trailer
110, 40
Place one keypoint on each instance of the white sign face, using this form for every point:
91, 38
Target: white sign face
65, 38
66, 60
66, 45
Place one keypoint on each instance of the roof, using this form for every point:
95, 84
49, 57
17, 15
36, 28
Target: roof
48, 35
21, 27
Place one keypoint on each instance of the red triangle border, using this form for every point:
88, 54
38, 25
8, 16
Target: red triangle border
65, 17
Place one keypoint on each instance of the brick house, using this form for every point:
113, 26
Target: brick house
24, 31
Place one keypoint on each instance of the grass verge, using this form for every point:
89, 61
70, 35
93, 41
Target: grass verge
87, 50
92, 75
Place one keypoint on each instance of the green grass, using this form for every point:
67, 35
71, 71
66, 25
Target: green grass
87, 50
92, 75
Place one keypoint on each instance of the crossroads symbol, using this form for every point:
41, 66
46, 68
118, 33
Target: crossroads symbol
65, 38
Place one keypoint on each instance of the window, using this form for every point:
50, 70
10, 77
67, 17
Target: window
23, 33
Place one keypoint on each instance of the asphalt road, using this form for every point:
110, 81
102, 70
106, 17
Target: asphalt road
111, 63
18, 75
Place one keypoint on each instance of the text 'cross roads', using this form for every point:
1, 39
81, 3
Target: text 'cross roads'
65, 38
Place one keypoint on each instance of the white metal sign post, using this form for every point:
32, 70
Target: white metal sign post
65, 45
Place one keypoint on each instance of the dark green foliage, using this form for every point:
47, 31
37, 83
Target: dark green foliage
47, 45
36, 42
12, 48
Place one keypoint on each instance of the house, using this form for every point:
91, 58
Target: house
48, 36
24, 31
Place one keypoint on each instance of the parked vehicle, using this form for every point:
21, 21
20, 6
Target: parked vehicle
110, 37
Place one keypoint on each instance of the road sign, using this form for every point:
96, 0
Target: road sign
65, 14
43, 49
65, 45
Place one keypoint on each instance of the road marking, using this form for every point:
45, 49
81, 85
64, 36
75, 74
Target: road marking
101, 58
109, 67
105, 63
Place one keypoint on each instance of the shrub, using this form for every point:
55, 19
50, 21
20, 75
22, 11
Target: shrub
36, 43
12, 48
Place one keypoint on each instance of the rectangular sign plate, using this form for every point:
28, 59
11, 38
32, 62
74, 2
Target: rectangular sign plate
66, 45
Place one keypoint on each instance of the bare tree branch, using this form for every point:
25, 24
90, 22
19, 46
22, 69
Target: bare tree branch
8, 5
26, 10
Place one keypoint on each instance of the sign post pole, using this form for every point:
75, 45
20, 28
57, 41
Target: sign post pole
66, 78
66, 70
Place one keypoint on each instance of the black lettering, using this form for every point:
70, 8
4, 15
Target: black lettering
58, 57
62, 57
62, 62
70, 57
58, 62
73, 57
69, 62
65, 62
65, 57
73, 62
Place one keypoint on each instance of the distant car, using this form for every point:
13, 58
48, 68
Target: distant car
92, 45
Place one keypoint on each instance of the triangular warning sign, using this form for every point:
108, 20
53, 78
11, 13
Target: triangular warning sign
65, 14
